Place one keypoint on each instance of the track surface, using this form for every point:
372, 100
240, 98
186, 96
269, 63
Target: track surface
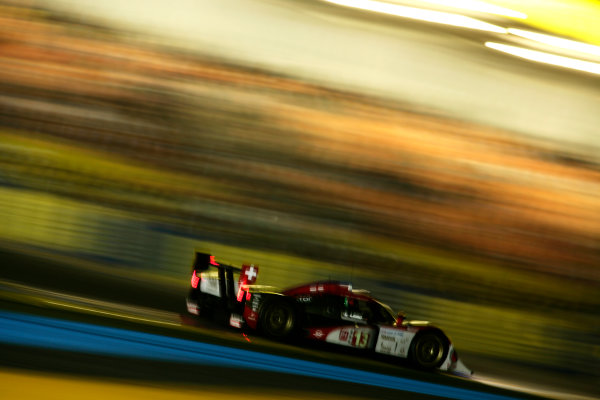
137, 309
43, 332
61, 345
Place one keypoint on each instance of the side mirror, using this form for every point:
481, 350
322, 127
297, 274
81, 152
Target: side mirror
400, 317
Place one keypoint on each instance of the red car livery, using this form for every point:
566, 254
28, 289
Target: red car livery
327, 311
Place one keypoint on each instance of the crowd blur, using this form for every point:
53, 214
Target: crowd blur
130, 155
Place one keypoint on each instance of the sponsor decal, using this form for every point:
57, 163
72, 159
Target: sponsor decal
354, 337
255, 302
386, 347
192, 307
391, 333
250, 317
345, 334
394, 341
251, 274
236, 321
352, 316
209, 283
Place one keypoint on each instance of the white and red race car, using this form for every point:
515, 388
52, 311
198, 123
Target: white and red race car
327, 311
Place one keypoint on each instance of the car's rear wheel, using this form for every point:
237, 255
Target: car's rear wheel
428, 350
278, 319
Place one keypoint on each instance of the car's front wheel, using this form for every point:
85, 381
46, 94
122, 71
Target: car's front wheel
278, 319
428, 350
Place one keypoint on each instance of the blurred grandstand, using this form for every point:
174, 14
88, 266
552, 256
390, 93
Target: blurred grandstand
127, 155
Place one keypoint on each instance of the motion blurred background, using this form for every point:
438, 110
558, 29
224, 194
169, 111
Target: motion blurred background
319, 140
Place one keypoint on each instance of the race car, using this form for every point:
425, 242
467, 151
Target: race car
325, 311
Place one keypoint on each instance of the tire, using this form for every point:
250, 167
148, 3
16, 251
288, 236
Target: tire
278, 320
429, 350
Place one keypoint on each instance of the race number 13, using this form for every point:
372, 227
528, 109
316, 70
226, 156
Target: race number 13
360, 339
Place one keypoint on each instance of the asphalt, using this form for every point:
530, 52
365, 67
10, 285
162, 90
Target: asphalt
61, 279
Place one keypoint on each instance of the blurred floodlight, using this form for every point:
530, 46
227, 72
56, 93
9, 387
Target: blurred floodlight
479, 6
547, 58
438, 17
557, 42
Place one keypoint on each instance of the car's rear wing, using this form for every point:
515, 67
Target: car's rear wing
227, 288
